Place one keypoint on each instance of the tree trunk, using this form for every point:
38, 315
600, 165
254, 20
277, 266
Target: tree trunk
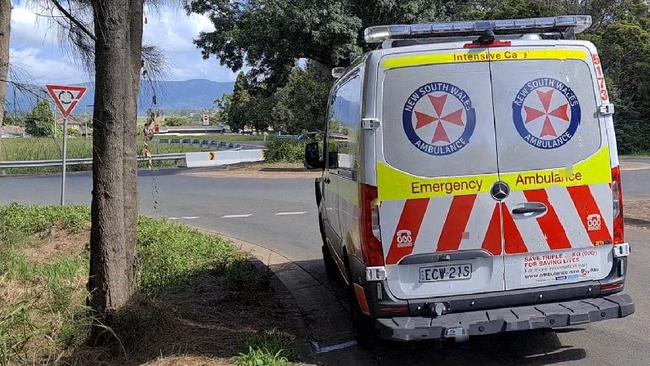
130, 164
109, 287
5, 31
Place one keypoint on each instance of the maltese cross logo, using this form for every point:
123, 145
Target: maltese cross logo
546, 113
438, 118
559, 114
454, 118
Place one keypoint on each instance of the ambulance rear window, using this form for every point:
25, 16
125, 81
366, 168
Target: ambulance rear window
437, 119
545, 113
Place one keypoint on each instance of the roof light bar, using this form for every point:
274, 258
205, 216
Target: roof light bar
380, 33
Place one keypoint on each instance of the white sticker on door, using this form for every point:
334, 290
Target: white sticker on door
560, 266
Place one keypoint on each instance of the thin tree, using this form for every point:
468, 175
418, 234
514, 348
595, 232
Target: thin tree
5, 32
115, 48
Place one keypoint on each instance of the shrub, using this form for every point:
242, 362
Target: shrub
13, 121
289, 151
177, 121
40, 121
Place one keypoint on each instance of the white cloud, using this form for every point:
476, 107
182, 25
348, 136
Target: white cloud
35, 46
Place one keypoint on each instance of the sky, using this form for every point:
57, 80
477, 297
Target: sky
35, 46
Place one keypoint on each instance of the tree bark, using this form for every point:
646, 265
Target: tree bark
109, 287
130, 164
5, 32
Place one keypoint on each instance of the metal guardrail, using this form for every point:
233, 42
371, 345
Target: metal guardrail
85, 161
225, 145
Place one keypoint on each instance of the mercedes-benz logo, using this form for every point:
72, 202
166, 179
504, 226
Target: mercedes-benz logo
500, 190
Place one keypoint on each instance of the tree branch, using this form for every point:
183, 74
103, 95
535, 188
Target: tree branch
73, 19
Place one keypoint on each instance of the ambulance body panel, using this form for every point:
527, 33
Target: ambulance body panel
472, 177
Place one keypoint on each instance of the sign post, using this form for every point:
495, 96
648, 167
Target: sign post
206, 120
66, 99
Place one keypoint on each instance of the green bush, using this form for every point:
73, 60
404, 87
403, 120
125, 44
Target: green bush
13, 121
177, 121
40, 121
288, 151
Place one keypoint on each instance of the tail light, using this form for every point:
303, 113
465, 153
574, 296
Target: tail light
617, 198
371, 249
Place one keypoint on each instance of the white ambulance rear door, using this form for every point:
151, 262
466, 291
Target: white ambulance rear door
436, 152
553, 155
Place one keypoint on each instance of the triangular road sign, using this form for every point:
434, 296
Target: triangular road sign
66, 97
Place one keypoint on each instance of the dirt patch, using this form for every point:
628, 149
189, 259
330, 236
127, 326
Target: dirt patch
196, 323
637, 212
57, 243
260, 171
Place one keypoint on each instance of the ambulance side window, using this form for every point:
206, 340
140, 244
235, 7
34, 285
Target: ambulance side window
343, 125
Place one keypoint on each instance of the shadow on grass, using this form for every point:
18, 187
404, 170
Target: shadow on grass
199, 321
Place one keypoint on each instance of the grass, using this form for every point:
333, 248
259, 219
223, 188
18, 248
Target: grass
192, 287
44, 148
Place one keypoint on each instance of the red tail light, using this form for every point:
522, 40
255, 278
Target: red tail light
371, 249
617, 198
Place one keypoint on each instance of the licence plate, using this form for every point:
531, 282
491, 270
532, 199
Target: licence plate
445, 273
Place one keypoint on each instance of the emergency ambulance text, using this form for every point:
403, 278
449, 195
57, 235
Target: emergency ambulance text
547, 178
468, 186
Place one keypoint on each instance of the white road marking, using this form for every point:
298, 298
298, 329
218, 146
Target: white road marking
190, 217
290, 213
236, 216
172, 218
318, 349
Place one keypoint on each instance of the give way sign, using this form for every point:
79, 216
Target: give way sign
66, 97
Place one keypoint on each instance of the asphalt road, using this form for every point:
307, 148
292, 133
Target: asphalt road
280, 214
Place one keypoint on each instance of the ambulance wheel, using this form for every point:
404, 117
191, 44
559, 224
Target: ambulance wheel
330, 266
363, 326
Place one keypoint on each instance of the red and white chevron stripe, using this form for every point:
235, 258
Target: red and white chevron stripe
476, 221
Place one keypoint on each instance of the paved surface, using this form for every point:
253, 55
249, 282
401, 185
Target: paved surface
280, 214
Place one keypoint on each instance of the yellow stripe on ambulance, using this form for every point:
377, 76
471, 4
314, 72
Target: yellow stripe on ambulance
482, 56
394, 184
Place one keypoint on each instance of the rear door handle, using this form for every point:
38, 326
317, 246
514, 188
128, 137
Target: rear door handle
529, 209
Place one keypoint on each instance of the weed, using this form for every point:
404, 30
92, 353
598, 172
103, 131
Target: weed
271, 342
261, 357
173, 253
16, 330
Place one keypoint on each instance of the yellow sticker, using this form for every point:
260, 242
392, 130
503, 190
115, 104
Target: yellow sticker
484, 55
394, 184
593, 170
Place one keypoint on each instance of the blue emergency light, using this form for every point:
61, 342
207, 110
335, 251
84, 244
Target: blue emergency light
574, 23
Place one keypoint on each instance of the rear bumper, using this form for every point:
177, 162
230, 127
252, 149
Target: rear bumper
550, 315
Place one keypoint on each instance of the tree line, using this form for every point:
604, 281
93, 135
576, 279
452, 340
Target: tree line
277, 91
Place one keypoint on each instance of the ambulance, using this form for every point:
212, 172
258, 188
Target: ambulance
471, 183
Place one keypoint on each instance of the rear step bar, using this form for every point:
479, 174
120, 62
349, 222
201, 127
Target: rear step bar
551, 315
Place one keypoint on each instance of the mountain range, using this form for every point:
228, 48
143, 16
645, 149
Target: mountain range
171, 96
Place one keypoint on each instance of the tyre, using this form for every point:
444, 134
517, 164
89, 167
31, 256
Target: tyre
331, 269
363, 326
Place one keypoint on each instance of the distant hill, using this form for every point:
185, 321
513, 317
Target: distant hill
172, 96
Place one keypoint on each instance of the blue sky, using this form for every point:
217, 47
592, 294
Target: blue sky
35, 46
